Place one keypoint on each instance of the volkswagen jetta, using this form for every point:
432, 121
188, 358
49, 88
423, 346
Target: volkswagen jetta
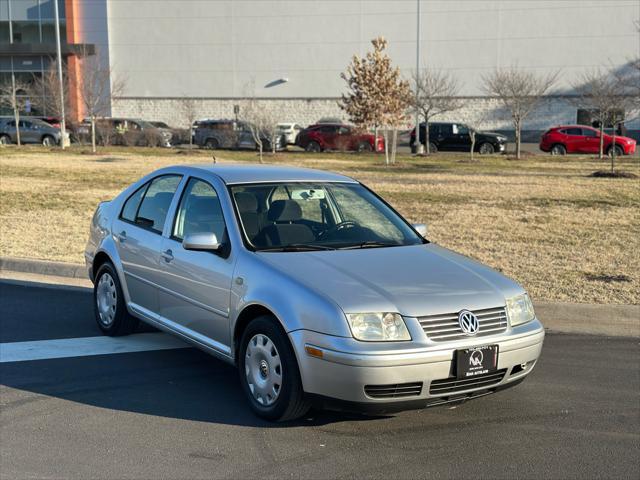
314, 286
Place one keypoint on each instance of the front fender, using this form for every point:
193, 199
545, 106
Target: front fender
297, 306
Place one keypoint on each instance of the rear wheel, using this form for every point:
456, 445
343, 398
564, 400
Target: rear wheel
486, 148
558, 149
269, 372
618, 151
211, 144
313, 146
365, 147
433, 148
48, 141
5, 140
109, 304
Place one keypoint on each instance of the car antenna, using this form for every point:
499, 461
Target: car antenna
214, 159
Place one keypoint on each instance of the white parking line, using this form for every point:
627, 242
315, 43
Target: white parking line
87, 346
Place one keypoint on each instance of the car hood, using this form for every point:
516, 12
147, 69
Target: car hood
412, 280
490, 134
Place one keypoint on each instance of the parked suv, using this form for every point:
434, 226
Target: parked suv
32, 130
327, 136
565, 139
231, 134
454, 137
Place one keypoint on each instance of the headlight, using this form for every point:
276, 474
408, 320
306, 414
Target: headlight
520, 310
378, 327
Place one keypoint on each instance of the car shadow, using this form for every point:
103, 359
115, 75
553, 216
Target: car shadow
184, 384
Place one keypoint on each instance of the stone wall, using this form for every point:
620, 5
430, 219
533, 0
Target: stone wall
482, 113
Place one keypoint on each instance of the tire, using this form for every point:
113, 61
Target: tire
48, 141
365, 147
558, 149
211, 144
269, 372
109, 305
433, 148
485, 148
313, 146
618, 149
5, 140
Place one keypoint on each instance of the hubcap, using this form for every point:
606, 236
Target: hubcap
106, 299
263, 369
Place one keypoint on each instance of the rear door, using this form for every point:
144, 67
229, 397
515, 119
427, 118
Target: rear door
461, 137
573, 139
196, 285
446, 140
138, 232
28, 134
329, 135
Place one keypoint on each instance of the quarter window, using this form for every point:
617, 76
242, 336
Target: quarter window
155, 204
131, 205
199, 211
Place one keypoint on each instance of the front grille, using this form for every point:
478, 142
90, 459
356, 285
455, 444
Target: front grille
395, 390
445, 327
453, 385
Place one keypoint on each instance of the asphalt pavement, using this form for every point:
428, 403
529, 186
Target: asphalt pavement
179, 413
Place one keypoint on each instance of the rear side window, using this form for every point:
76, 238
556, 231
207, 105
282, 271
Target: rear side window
130, 208
152, 210
572, 131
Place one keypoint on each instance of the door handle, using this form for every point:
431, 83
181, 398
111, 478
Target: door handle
122, 236
167, 255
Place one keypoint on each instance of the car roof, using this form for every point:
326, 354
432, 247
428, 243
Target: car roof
235, 174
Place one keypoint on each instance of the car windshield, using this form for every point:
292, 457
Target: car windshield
318, 216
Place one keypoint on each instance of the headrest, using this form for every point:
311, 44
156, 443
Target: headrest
284, 211
247, 202
203, 208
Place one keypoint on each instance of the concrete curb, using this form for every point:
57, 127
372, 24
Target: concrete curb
43, 267
610, 320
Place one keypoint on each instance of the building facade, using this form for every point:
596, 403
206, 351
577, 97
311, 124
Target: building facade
289, 53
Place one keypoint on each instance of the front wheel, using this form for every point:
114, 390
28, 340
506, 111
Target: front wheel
313, 147
365, 147
617, 150
269, 372
109, 304
48, 141
486, 149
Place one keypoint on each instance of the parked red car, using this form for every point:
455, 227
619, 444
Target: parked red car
317, 138
581, 139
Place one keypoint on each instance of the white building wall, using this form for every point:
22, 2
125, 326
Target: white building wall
226, 49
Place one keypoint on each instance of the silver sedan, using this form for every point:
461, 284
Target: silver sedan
312, 285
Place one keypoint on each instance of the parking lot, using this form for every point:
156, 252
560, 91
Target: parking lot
178, 413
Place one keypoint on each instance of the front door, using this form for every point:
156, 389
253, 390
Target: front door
138, 234
590, 140
461, 140
196, 285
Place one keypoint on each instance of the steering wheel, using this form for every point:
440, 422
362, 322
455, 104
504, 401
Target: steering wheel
337, 227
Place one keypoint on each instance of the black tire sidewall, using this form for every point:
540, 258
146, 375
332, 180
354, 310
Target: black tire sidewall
270, 327
561, 149
122, 323
313, 147
490, 148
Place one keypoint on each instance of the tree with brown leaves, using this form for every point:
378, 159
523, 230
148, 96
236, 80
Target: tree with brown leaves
377, 96
520, 92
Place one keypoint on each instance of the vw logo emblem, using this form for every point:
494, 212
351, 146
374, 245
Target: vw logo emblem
468, 322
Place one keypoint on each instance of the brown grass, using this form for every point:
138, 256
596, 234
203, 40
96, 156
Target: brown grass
544, 221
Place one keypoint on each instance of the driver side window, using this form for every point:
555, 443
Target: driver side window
199, 211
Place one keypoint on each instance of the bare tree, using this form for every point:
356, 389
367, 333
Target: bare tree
435, 93
376, 94
47, 88
14, 95
607, 99
97, 87
520, 92
261, 122
189, 114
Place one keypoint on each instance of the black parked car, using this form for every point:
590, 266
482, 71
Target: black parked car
454, 137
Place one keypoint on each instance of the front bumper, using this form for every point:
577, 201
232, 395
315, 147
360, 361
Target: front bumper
343, 373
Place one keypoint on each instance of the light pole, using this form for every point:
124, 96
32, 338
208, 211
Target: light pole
63, 128
419, 147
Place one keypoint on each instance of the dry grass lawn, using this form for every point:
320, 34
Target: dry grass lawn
543, 221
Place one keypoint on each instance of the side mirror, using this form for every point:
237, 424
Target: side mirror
207, 242
421, 228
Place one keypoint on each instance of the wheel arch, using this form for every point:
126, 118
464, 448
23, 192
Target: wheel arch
245, 317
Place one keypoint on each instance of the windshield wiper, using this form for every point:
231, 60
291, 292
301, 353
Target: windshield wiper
370, 244
296, 247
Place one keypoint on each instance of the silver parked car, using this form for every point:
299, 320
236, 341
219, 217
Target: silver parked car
312, 285
32, 130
